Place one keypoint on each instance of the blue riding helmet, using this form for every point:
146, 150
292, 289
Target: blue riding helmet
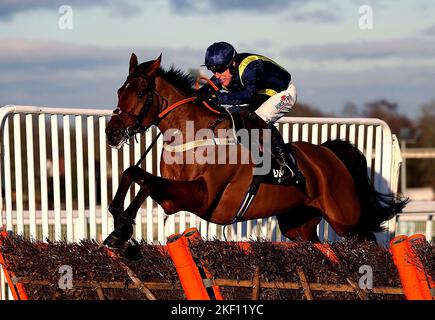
219, 56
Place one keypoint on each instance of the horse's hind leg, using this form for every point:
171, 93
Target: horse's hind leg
300, 223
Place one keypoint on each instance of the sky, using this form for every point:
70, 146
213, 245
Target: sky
75, 53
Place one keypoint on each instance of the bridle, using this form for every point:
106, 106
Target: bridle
137, 126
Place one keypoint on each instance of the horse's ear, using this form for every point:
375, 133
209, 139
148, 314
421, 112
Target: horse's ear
154, 66
133, 63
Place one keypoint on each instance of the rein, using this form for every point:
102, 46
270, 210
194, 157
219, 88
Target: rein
184, 101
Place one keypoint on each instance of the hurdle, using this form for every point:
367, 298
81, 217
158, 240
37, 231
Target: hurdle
194, 263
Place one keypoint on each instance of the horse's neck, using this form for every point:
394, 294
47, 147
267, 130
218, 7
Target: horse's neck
186, 115
181, 127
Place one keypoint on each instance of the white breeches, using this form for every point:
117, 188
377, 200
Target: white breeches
278, 105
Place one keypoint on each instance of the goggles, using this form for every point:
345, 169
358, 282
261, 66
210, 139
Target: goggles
218, 68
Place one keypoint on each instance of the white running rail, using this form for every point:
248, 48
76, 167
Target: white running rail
58, 174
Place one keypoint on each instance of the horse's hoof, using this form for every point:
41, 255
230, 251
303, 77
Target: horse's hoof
132, 251
114, 242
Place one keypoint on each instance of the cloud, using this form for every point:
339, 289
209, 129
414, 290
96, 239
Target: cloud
125, 8
129, 8
405, 48
19, 53
379, 4
59, 74
429, 31
213, 6
9, 7
318, 16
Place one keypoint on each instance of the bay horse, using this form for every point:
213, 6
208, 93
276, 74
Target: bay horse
338, 188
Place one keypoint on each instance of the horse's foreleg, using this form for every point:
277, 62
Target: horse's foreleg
116, 206
172, 195
129, 215
123, 220
124, 227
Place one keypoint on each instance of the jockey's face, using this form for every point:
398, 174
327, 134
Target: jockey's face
224, 77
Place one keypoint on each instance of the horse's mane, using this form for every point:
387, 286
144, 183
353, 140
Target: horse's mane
178, 78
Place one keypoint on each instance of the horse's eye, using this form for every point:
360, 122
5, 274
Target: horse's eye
140, 94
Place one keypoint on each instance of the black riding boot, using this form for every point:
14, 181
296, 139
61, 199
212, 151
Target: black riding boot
291, 172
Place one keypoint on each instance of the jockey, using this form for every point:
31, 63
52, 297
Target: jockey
258, 84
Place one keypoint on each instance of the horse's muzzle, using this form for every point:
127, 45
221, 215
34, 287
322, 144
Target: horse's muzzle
115, 136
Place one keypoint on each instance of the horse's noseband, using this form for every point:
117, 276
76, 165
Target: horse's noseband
137, 127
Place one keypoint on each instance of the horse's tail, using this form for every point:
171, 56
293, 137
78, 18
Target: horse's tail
376, 207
